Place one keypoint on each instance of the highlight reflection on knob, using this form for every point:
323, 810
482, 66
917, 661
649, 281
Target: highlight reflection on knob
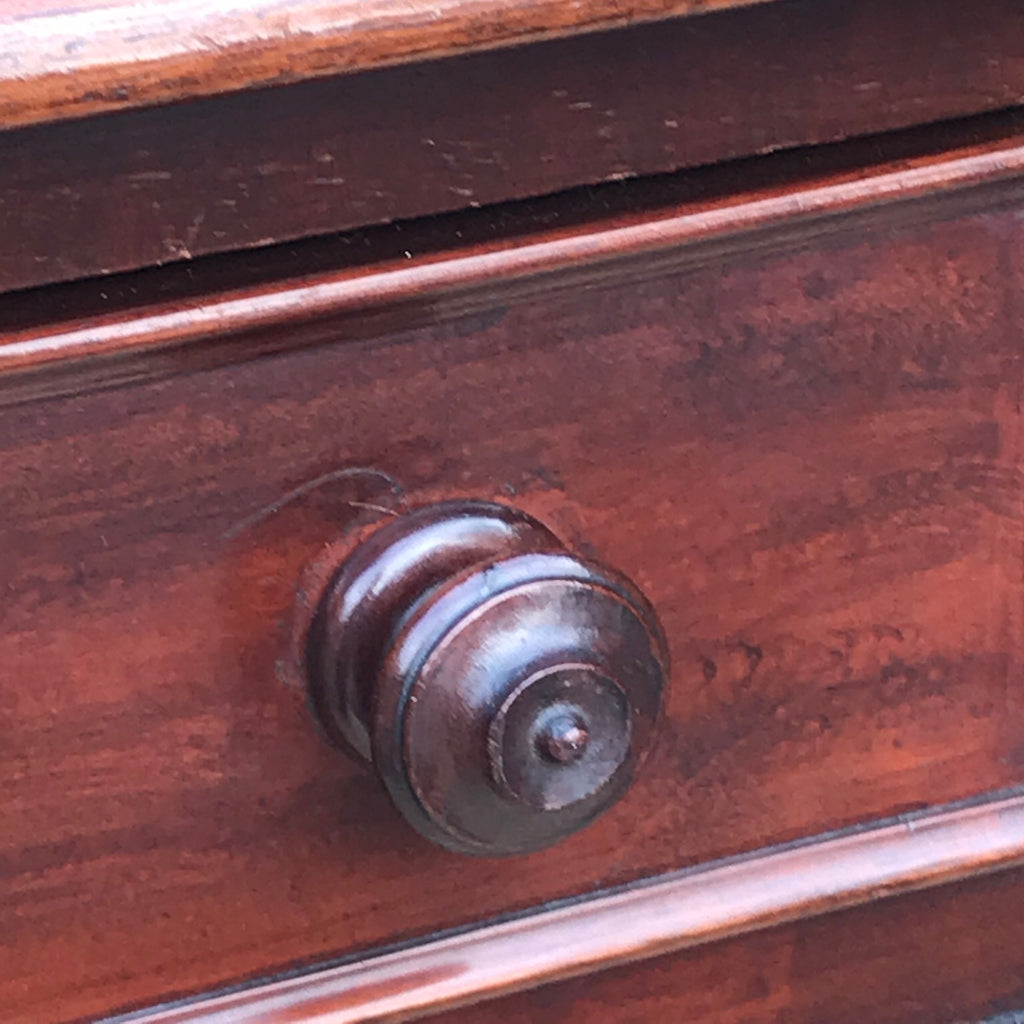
504, 689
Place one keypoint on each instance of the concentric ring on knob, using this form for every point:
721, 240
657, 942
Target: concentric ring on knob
560, 736
464, 650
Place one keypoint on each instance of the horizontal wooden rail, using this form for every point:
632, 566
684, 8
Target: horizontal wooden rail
89, 56
368, 301
673, 913
354, 141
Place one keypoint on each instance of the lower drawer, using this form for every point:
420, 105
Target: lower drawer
792, 416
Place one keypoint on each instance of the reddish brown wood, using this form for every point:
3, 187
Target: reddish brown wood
153, 186
658, 228
805, 454
941, 957
673, 913
88, 56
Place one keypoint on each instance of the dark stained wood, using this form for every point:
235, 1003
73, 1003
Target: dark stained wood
146, 187
949, 955
87, 56
463, 627
668, 914
806, 455
66, 347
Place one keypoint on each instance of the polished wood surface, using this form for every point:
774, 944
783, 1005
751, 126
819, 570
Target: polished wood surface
524, 682
702, 906
86, 56
70, 352
143, 187
945, 956
805, 453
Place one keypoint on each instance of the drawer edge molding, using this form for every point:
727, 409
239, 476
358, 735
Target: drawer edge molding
676, 912
105, 55
359, 303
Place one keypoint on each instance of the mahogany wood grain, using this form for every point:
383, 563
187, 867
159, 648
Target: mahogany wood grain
807, 455
62, 354
144, 187
86, 56
669, 914
944, 956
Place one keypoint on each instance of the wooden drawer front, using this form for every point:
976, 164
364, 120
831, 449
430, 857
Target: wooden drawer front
801, 442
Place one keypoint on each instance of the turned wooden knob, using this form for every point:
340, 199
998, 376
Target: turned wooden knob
504, 689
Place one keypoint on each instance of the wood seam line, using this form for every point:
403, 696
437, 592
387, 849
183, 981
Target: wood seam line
675, 912
375, 289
